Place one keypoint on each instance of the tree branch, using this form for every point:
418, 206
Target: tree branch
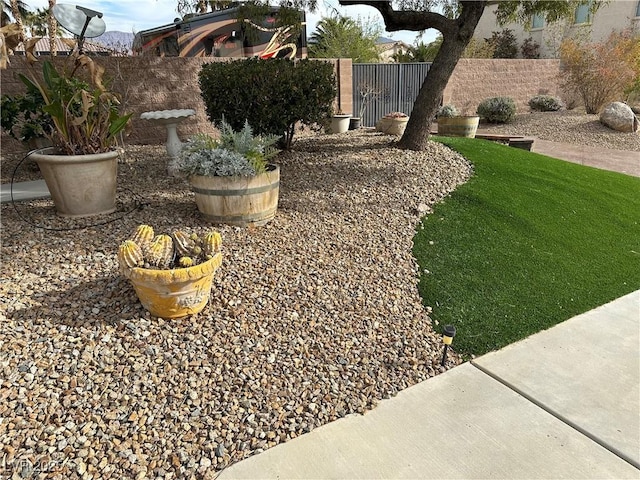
412, 20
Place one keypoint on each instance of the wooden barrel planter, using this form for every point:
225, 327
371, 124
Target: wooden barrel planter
463, 126
241, 201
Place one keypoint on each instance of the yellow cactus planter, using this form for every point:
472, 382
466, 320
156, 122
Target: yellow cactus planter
177, 292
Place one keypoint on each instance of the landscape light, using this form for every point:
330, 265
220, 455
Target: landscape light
447, 339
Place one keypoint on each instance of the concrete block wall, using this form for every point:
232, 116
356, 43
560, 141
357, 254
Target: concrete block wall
475, 79
344, 75
147, 84
155, 83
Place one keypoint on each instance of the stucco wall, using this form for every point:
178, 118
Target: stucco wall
616, 15
475, 79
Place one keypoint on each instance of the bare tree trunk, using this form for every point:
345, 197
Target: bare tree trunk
53, 27
455, 40
416, 135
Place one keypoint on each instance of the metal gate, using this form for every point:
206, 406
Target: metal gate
386, 87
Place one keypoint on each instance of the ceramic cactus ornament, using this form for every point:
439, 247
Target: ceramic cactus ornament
171, 274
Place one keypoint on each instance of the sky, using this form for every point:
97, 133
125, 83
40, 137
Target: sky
136, 15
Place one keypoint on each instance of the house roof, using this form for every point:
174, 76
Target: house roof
42, 47
383, 47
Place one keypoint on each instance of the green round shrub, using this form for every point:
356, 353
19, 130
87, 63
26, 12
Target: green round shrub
272, 95
497, 109
545, 103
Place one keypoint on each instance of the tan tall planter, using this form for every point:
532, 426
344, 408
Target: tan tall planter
392, 126
174, 293
241, 201
340, 123
80, 185
463, 126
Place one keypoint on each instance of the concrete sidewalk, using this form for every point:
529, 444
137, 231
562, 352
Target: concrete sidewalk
24, 191
564, 403
622, 161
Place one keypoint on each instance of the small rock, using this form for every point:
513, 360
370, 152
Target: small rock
81, 467
205, 462
219, 450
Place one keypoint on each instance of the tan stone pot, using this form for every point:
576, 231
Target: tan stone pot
80, 185
392, 126
463, 126
340, 123
174, 293
241, 201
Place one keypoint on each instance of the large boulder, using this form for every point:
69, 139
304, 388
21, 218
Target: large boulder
620, 117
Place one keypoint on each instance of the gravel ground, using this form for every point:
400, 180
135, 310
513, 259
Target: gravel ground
312, 317
570, 126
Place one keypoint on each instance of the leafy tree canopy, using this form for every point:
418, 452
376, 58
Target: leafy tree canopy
343, 37
420, 52
456, 20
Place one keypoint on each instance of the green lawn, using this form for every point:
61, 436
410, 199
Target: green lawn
528, 242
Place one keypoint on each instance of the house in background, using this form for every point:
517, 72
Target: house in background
388, 48
63, 47
616, 15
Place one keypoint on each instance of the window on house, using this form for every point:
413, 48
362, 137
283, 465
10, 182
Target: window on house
638, 10
537, 21
582, 13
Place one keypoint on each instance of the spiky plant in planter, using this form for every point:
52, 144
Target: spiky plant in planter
396, 115
447, 111
233, 154
145, 249
231, 176
452, 124
172, 274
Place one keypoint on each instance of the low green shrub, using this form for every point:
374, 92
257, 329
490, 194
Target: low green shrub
530, 48
497, 109
504, 43
545, 103
23, 116
272, 95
